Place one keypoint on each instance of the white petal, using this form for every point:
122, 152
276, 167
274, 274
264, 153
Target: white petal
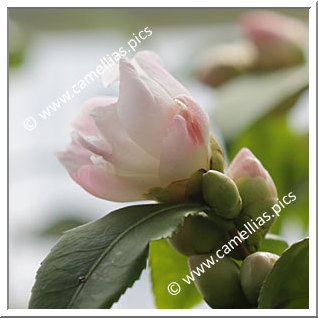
127, 156
151, 64
84, 123
144, 108
110, 75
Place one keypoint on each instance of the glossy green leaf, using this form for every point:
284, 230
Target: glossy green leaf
168, 266
287, 285
92, 265
273, 244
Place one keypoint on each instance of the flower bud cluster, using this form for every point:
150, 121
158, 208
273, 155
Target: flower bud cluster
240, 195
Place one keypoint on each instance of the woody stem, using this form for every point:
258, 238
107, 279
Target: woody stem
243, 249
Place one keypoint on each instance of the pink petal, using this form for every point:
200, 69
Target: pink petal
198, 122
181, 157
236, 163
105, 184
74, 157
252, 167
96, 146
144, 108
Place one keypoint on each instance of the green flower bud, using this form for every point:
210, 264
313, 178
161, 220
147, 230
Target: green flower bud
217, 155
220, 284
257, 199
197, 235
253, 272
258, 193
221, 194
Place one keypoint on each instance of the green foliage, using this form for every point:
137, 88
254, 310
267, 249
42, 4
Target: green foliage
16, 58
92, 265
246, 99
168, 266
287, 285
285, 155
273, 244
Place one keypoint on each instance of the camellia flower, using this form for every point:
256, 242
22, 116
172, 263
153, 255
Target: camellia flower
152, 135
280, 40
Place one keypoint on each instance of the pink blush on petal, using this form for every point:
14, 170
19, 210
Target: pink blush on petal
196, 118
194, 131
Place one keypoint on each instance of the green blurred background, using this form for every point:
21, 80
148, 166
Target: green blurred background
126, 18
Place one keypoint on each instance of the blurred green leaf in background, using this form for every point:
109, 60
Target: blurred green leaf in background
168, 266
273, 244
246, 99
286, 156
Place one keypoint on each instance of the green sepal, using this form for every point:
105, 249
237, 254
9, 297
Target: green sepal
187, 190
217, 155
221, 194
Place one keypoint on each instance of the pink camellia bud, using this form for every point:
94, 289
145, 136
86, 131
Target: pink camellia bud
152, 135
258, 193
280, 40
246, 165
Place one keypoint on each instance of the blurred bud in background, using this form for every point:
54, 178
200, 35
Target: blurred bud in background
273, 41
280, 40
221, 63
